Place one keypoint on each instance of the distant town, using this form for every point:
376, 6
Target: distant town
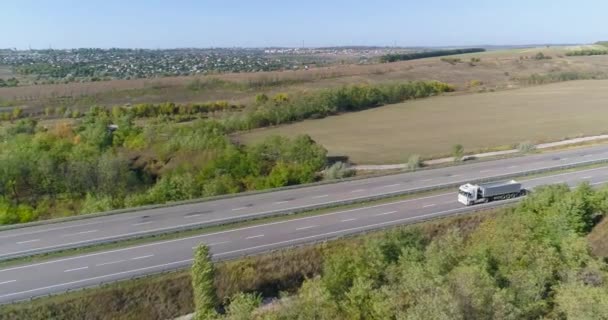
78, 65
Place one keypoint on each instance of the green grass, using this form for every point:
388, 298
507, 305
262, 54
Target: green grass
432, 126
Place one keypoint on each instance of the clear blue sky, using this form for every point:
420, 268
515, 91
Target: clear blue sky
249, 23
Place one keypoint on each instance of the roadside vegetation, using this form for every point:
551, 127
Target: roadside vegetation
105, 161
531, 261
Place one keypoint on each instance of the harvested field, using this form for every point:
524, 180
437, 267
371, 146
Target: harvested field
430, 127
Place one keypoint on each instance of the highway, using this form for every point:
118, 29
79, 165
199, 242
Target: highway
56, 236
58, 275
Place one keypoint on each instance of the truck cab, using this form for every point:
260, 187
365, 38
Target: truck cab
468, 194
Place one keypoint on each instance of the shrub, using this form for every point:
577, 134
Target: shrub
451, 61
414, 162
541, 56
339, 170
457, 152
475, 83
526, 147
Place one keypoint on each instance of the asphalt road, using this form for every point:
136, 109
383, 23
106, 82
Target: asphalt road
56, 236
54, 276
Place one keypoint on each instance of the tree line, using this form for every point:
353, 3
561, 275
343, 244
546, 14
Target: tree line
394, 57
587, 52
282, 109
529, 262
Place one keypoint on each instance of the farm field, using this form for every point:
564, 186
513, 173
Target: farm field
497, 70
430, 127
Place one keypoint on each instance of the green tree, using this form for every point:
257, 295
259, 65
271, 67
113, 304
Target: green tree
203, 276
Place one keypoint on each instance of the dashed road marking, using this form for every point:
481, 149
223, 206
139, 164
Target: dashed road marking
142, 223
109, 263
429, 205
76, 269
28, 241
304, 228
385, 213
9, 281
351, 219
143, 257
253, 237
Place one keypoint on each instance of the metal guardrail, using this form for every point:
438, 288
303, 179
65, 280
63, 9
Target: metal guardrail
338, 203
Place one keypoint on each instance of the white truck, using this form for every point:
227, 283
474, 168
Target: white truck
469, 194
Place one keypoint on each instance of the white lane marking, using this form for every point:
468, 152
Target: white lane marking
248, 228
347, 220
324, 235
97, 278
385, 213
427, 180
28, 241
601, 182
143, 257
79, 233
390, 185
253, 237
90, 231
142, 223
192, 216
512, 167
75, 269
587, 155
321, 196
281, 202
483, 171
239, 209
358, 190
564, 159
10, 281
109, 263
304, 228
429, 205
587, 177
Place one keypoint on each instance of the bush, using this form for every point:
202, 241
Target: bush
339, 170
451, 61
414, 162
526, 147
457, 152
541, 56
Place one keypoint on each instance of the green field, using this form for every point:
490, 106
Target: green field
430, 127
